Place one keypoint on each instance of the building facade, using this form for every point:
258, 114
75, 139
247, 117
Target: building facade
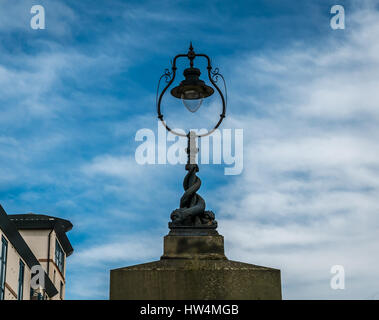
33, 245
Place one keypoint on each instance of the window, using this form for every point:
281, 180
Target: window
3, 266
21, 273
61, 291
59, 256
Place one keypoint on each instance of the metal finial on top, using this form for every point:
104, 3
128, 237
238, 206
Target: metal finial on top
191, 54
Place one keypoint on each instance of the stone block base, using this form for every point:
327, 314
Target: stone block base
195, 279
194, 267
193, 247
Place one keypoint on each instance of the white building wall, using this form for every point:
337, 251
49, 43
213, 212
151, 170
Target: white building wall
38, 241
12, 274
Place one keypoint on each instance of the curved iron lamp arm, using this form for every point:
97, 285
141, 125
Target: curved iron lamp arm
212, 75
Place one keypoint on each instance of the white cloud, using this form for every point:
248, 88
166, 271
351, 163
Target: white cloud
308, 198
133, 248
16, 16
121, 167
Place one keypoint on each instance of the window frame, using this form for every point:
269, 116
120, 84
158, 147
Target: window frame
21, 280
59, 257
61, 290
3, 265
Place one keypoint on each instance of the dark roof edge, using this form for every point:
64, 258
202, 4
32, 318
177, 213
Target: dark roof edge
63, 239
18, 242
35, 222
43, 220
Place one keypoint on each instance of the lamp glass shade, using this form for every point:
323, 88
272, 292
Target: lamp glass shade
192, 90
192, 100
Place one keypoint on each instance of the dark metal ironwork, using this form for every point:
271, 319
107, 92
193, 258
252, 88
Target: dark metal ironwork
192, 213
170, 77
192, 83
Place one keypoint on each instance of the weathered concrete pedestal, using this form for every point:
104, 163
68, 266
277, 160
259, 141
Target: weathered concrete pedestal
195, 267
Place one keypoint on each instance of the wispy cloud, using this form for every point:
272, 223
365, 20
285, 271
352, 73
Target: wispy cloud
72, 97
308, 198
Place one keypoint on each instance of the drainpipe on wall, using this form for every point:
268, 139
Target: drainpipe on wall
48, 254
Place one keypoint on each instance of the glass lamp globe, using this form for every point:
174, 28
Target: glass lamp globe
192, 90
192, 100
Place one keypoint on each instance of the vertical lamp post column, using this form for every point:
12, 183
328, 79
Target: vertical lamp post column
192, 217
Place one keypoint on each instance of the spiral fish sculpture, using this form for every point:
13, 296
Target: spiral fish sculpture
192, 206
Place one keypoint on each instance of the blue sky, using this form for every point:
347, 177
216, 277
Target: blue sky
73, 96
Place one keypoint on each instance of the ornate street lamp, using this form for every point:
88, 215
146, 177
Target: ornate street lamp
192, 216
193, 264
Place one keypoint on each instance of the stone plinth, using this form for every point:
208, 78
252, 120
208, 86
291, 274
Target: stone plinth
195, 267
193, 247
